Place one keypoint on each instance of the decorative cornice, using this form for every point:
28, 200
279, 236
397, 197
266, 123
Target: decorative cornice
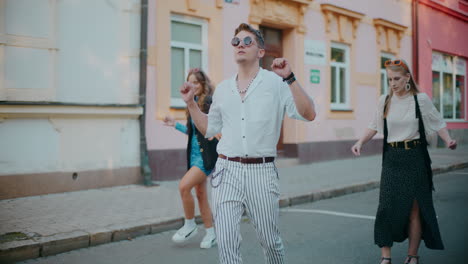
304, 2
285, 13
332, 12
341, 11
389, 24
383, 26
193, 5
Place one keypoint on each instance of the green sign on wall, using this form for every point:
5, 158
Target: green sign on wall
315, 76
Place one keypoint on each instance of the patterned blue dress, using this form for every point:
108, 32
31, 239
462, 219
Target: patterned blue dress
195, 154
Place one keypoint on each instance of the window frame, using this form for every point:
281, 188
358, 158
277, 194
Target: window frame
383, 72
177, 102
453, 74
346, 106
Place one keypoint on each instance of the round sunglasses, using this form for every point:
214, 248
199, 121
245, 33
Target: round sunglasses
248, 41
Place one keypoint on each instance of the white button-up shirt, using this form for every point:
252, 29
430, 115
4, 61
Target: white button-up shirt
251, 126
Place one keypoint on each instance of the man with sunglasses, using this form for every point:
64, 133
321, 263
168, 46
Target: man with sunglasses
248, 109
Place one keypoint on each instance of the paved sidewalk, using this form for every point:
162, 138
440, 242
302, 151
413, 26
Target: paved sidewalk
51, 224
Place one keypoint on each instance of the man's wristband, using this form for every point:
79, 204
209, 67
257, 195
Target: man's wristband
290, 79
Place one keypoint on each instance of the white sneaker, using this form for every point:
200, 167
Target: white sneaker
184, 234
208, 241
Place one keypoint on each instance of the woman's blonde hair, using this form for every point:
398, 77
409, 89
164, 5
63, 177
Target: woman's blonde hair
405, 70
207, 88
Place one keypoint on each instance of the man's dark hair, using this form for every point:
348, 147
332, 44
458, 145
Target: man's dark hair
258, 35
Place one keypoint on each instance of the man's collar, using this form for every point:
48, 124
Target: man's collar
258, 79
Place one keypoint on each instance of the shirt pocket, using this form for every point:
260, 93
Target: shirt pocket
264, 106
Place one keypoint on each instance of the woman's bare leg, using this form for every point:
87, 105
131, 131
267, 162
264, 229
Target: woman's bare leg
386, 253
414, 231
205, 211
193, 177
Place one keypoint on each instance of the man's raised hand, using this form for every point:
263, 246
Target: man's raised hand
281, 67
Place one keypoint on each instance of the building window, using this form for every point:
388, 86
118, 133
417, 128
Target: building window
383, 72
449, 85
188, 50
339, 64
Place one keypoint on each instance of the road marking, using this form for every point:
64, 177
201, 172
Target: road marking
328, 213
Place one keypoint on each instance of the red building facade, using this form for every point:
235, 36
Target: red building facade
441, 53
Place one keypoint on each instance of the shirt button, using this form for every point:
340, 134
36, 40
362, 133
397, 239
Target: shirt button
246, 155
201, 150
243, 136
242, 118
242, 101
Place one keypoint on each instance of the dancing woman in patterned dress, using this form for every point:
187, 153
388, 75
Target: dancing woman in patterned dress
201, 158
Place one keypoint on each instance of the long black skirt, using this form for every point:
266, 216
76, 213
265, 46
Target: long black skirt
403, 180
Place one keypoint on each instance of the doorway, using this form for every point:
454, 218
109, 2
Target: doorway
273, 49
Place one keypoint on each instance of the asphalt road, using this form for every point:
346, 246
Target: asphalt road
338, 230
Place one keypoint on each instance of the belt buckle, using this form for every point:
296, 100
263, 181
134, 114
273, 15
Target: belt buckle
406, 144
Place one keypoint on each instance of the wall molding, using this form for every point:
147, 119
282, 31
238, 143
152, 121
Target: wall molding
30, 184
67, 111
444, 9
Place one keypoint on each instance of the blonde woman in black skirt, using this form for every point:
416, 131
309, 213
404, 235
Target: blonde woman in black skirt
406, 208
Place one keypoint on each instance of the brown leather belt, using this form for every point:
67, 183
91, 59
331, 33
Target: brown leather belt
407, 144
248, 160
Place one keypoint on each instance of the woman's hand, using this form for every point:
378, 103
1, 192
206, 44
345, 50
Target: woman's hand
169, 121
452, 144
445, 136
368, 135
217, 136
356, 149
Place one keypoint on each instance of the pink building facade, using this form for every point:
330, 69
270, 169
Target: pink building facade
336, 49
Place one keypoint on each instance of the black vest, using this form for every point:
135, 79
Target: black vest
207, 147
422, 137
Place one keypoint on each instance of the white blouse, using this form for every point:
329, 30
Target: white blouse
401, 119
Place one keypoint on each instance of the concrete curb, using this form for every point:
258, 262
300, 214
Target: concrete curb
14, 251
327, 194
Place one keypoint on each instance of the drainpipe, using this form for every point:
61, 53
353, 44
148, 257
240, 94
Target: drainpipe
415, 44
144, 160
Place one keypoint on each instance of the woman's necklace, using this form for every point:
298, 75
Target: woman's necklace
243, 91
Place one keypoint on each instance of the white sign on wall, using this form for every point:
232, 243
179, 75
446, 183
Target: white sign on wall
447, 63
437, 61
315, 52
460, 66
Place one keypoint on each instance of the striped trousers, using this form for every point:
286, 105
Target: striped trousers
252, 187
